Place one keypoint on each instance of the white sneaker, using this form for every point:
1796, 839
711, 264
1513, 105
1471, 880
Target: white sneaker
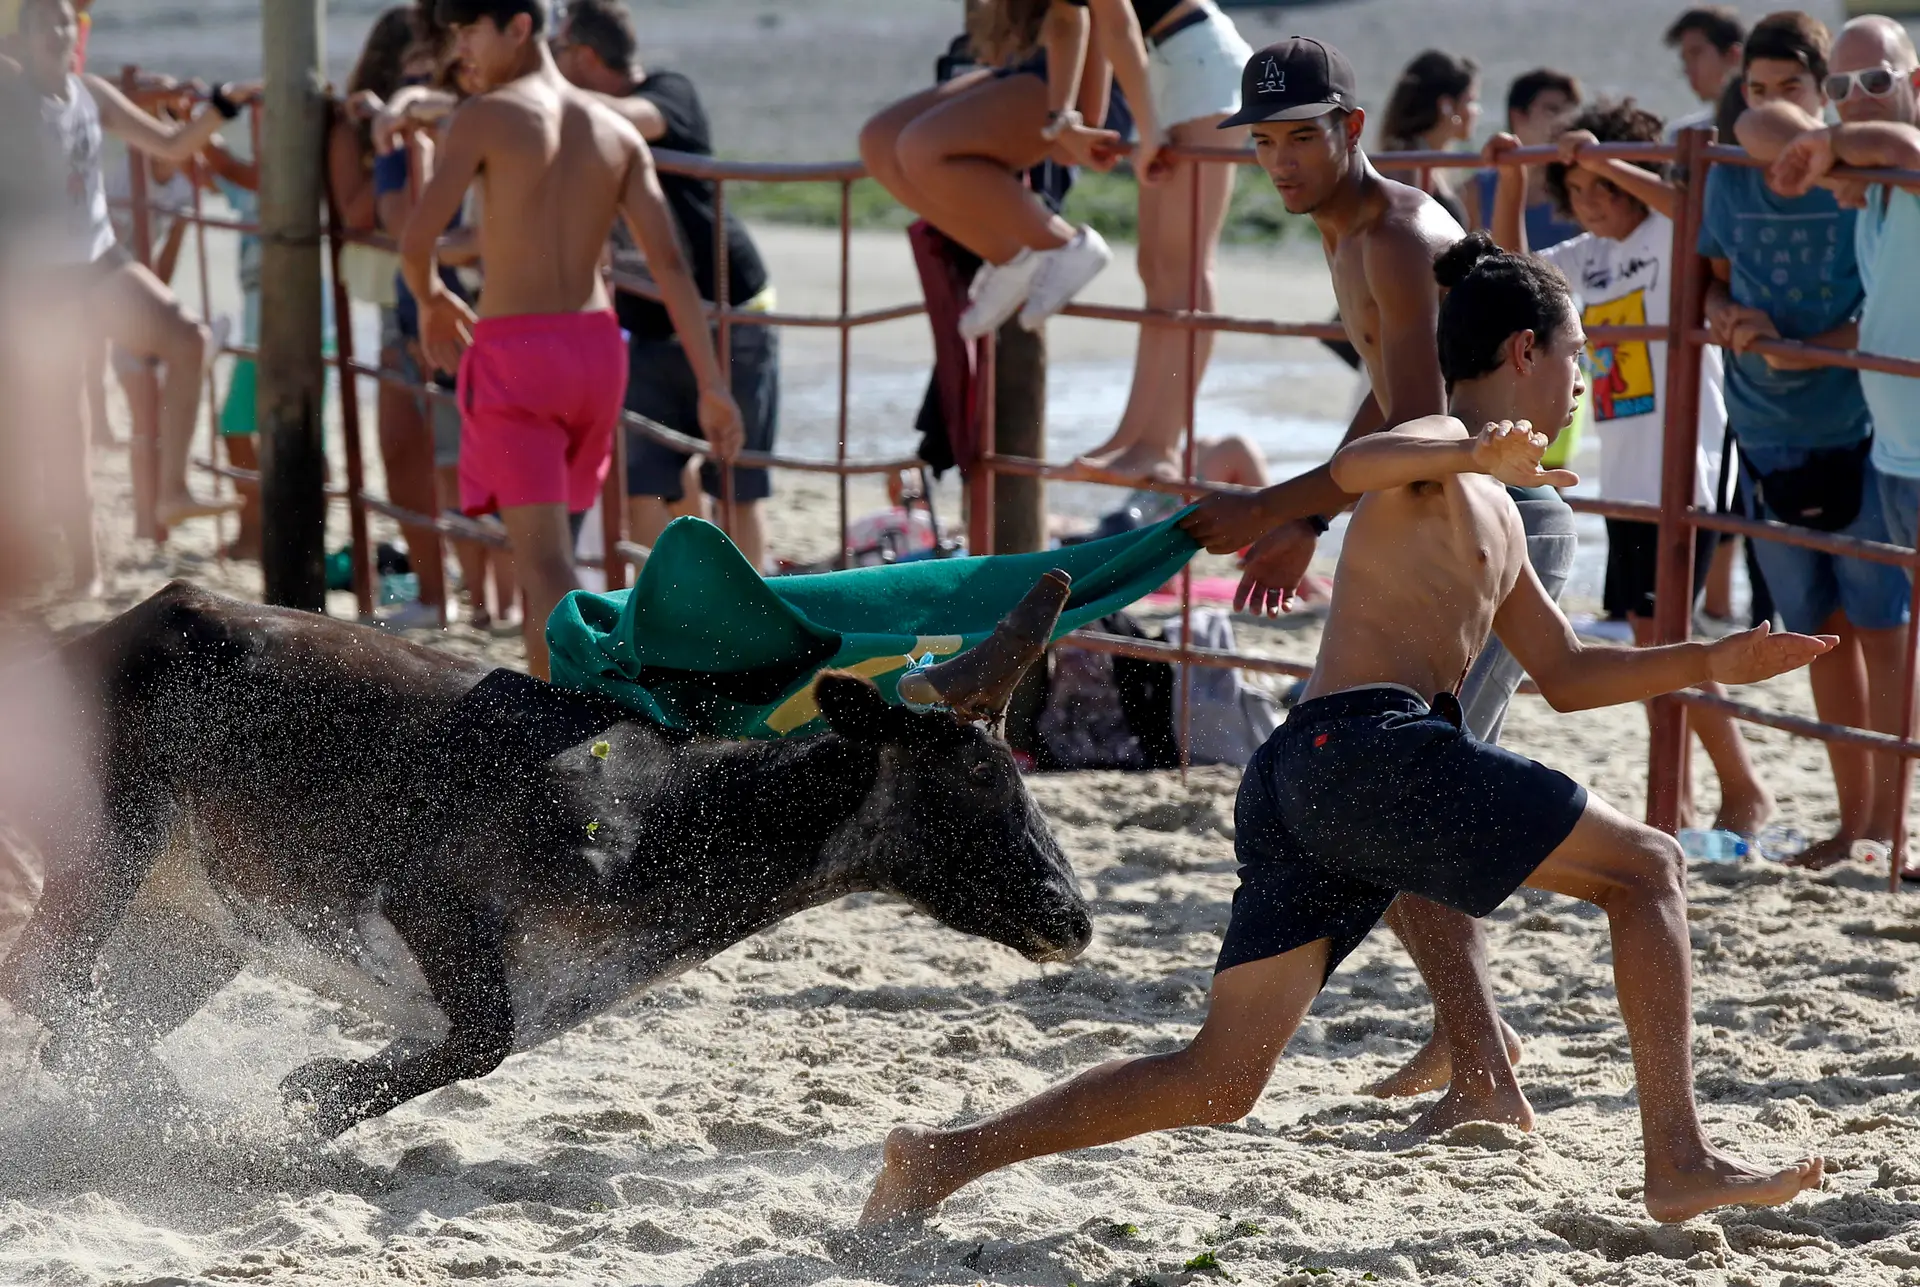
997, 292
1063, 274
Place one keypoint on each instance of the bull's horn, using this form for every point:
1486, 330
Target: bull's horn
979, 682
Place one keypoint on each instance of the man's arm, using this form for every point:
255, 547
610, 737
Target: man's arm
1432, 447
1064, 35
1574, 675
1508, 220
638, 111
441, 311
177, 142
644, 206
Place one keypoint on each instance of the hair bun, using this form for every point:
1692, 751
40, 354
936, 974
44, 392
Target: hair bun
1452, 265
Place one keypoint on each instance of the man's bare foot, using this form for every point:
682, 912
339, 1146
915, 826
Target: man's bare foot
1744, 810
1432, 1067
914, 1176
1830, 852
1477, 1099
171, 511
1717, 1180
1135, 464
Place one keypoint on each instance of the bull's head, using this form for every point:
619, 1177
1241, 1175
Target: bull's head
951, 827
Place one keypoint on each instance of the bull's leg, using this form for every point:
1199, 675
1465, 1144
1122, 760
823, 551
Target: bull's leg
93, 868
460, 950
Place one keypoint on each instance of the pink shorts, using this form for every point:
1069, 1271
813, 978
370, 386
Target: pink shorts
540, 397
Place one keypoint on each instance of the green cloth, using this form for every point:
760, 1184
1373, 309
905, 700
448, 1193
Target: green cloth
704, 642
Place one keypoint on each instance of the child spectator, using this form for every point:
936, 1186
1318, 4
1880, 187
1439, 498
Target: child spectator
1621, 270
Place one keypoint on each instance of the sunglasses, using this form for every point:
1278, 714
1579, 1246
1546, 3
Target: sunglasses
1876, 81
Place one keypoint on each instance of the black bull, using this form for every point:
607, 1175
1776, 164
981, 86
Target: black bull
539, 853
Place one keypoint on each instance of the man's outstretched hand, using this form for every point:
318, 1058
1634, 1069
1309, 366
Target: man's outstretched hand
1270, 578
1757, 654
1510, 450
1227, 522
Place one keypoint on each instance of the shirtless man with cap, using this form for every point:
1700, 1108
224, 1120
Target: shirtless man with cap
1381, 238
1371, 789
543, 370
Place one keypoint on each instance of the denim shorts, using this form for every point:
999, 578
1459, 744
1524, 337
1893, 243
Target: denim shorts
1900, 500
1809, 586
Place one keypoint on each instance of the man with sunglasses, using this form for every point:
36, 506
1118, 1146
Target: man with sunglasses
1872, 78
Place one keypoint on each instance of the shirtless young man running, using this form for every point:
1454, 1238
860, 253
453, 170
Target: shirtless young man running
1369, 790
1380, 239
543, 370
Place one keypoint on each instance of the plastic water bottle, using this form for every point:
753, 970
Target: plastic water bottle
1713, 846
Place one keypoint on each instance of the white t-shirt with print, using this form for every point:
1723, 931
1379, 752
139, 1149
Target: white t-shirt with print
1626, 283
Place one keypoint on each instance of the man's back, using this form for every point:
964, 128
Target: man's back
1422, 571
554, 167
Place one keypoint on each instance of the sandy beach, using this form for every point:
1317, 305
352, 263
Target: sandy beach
722, 1130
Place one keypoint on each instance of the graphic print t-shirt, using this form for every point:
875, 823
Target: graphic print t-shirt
1626, 283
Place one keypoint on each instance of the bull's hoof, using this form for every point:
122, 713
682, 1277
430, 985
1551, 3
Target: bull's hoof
328, 1096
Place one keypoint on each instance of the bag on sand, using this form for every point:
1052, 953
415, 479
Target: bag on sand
1107, 712
704, 642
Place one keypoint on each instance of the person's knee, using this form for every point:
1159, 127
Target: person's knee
878, 141
185, 342
1657, 866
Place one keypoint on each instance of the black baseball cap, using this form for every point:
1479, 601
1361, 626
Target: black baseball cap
1294, 79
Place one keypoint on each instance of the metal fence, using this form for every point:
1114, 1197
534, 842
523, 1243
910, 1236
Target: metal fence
1675, 516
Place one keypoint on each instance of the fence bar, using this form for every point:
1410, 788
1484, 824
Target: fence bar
145, 448
1673, 577
723, 339
360, 545
846, 362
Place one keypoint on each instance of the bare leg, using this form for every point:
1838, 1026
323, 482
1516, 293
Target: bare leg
1233, 459
1217, 1077
1745, 802
406, 453
1839, 681
1635, 874
1147, 442
1719, 600
749, 532
134, 309
243, 452
961, 161
543, 560
469, 556
1471, 1051
648, 516
1884, 652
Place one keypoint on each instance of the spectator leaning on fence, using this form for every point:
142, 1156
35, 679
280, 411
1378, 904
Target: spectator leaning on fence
1784, 267
598, 51
1538, 104
1711, 41
1872, 79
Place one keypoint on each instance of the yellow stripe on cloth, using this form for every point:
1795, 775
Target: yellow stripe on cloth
801, 708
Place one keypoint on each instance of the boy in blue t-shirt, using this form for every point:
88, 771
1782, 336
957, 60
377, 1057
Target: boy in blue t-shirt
1784, 268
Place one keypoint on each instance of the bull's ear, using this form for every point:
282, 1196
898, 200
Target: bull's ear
853, 707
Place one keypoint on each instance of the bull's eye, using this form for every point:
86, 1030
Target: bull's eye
981, 772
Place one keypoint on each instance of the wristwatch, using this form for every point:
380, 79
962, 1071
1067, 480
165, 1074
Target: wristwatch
1319, 523
1059, 123
222, 104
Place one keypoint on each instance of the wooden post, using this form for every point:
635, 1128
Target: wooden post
1020, 419
292, 377
1020, 502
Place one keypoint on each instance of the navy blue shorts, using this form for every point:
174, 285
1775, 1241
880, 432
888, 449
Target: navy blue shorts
660, 386
1368, 793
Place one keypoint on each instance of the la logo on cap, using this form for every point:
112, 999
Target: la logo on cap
1272, 79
